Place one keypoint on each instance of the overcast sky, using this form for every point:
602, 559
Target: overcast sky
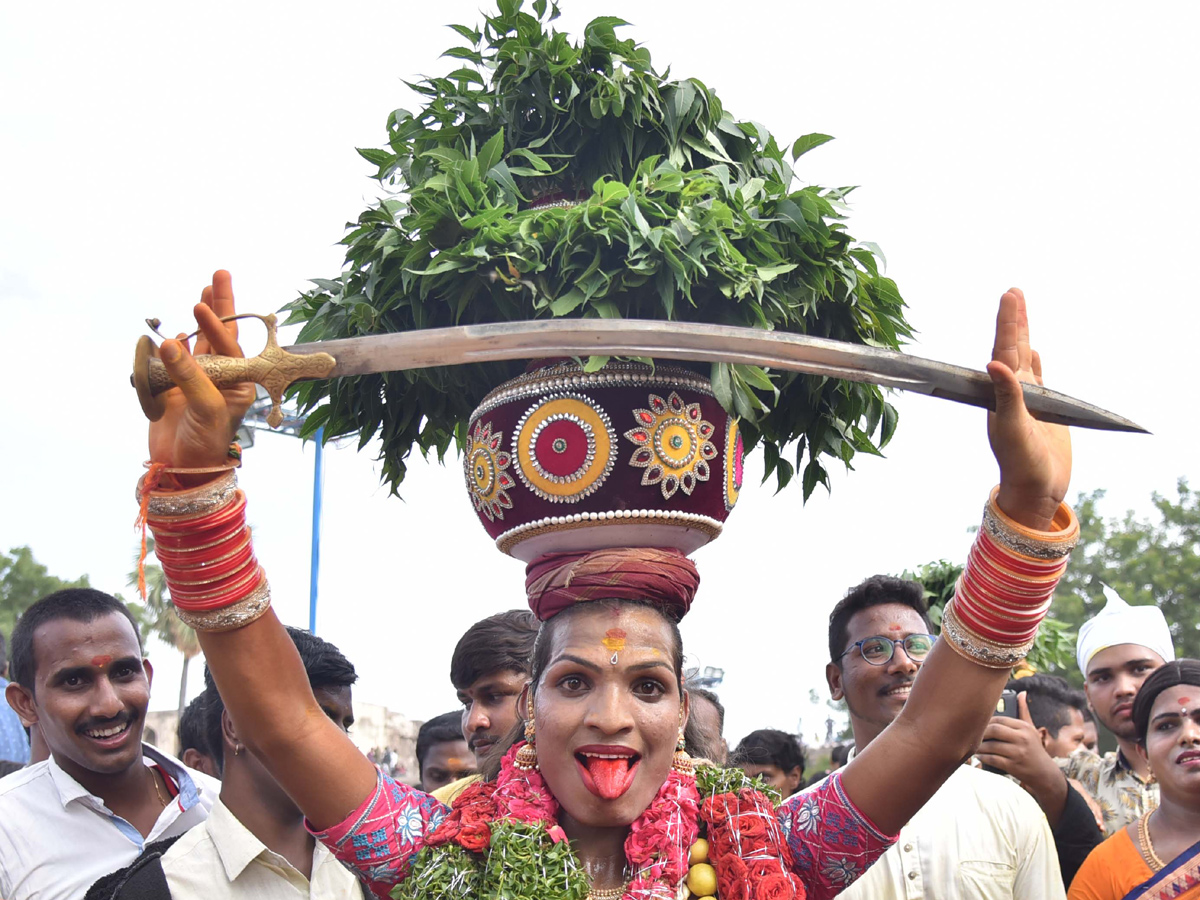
1046, 145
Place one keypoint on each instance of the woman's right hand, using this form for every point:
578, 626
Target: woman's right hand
200, 421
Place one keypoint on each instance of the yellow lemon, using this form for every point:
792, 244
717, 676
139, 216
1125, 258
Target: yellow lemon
702, 880
698, 853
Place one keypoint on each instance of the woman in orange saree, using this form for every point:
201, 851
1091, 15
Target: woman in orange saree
1158, 856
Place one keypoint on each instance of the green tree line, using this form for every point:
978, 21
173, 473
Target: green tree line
1145, 559
24, 581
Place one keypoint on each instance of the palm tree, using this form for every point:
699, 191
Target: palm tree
162, 619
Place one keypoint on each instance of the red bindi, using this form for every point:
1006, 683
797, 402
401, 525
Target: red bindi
1184, 701
100, 662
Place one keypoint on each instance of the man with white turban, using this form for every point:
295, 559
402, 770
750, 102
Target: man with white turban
1117, 649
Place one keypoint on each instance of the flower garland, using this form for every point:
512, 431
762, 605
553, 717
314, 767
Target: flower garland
746, 842
502, 839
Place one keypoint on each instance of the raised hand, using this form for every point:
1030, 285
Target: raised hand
1034, 456
200, 420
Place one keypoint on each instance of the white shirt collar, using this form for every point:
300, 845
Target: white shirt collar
237, 846
70, 790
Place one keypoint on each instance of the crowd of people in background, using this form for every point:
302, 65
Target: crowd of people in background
1037, 812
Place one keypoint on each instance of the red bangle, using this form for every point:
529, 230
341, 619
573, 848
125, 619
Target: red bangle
995, 628
1018, 613
211, 554
191, 542
225, 593
994, 553
226, 600
211, 573
1019, 598
1021, 581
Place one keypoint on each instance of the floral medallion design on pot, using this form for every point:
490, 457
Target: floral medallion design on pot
564, 447
485, 466
674, 444
734, 452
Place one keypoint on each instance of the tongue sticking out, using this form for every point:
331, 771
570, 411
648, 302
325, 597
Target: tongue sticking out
611, 776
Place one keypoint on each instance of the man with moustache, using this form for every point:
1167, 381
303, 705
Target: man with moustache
980, 836
1116, 651
254, 845
489, 669
78, 673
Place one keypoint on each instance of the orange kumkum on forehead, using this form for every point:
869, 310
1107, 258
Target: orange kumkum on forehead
614, 640
1184, 701
100, 662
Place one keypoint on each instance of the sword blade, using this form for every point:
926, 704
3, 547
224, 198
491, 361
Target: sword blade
697, 343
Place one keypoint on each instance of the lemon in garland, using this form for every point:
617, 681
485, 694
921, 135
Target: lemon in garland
702, 880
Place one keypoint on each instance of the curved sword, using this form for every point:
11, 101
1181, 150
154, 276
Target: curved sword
278, 367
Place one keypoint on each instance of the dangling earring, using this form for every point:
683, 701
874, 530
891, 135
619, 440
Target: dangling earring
237, 749
681, 762
526, 759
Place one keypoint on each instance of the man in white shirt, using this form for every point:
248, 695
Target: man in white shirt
78, 673
254, 845
980, 836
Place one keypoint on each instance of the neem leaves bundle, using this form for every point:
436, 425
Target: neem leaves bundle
548, 178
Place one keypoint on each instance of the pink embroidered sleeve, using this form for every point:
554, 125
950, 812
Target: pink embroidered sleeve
379, 839
832, 842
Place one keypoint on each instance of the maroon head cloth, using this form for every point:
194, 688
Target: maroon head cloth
665, 578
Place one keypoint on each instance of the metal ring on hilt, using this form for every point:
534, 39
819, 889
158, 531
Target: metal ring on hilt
275, 369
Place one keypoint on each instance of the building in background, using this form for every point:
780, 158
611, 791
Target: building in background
386, 737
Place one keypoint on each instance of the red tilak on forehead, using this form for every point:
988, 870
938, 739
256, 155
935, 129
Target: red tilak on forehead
101, 661
1184, 701
893, 626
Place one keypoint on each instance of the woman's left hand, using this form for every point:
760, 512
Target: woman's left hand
1034, 456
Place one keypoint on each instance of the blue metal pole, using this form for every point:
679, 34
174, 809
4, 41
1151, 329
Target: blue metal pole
318, 489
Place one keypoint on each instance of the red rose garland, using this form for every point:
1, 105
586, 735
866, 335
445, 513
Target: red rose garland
748, 848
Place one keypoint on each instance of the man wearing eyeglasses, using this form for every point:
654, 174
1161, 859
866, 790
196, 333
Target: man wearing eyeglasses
980, 836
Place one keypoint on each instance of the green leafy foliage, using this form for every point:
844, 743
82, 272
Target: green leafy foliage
714, 780
1053, 649
1150, 559
521, 863
160, 619
24, 581
684, 213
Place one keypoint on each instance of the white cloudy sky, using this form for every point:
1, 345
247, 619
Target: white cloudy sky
1046, 145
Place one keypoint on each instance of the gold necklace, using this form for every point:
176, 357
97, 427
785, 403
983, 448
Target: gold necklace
157, 789
610, 893
1147, 846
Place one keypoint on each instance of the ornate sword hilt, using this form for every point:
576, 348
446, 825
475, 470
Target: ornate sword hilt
275, 369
